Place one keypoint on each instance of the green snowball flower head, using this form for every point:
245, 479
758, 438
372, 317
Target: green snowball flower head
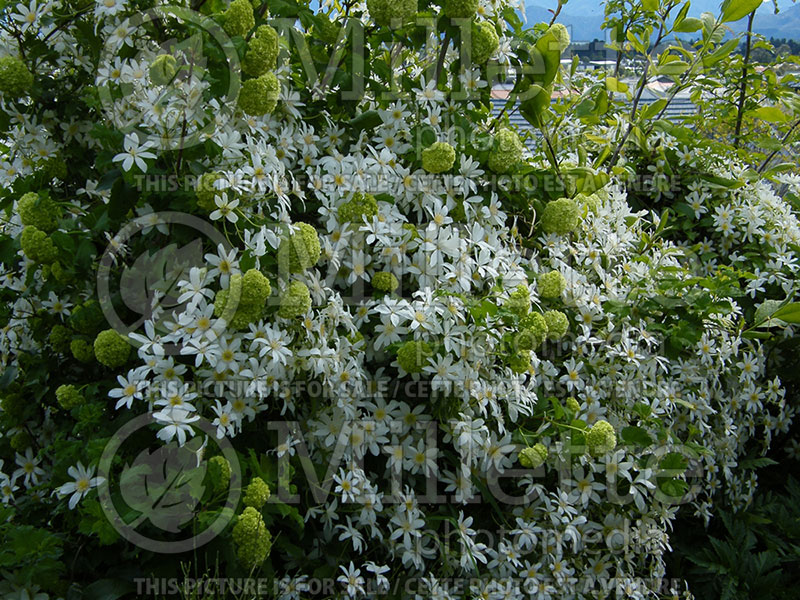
572, 405
69, 397
256, 494
601, 438
239, 18
532, 332
557, 324
561, 216
533, 456
519, 301
251, 537
438, 157
551, 284
41, 213
87, 318
37, 245
21, 440
15, 78
259, 96
300, 251
81, 350
163, 69
262, 52
391, 12
219, 473
561, 34
359, 206
59, 339
506, 151
520, 362
460, 9
296, 301
591, 203
412, 356
252, 289
385, 281
485, 41
111, 349
206, 192
60, 273
14, 405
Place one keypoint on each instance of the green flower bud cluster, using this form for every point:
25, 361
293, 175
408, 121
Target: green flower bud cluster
239, 18
256, 493
460, 9
163, 69
359, 206
87, 318
82, 350
535, 328
561, 34
60, 338
60, 273
21, 440
15, 78
561, 216
69, 397
296, 301
385, 281
56, 168
519, 301
520, 361
206, 192
532, 332
601, 438
591, 203
219, 473
551, 284
438, 157
300, 251
252, 289
38, 246
506, 151
251, 537
262, 52
111, 349
557, 324
259, 96
573, 406
41, 213
13, 405
485, 41
533, 457
412, 356
391, 12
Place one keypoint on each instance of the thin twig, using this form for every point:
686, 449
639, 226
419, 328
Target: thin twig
743, 88
442, 52
775, 152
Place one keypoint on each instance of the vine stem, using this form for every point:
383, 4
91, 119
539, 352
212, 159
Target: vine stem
737, 136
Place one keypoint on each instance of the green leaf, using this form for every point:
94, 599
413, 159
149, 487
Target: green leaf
772, 114
689, 25
637, 436
789, 313
733, 10
368, 120
674, 461
650, 5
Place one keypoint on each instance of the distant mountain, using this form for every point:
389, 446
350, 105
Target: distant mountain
585, 18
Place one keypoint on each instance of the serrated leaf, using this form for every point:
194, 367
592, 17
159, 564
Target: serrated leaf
771, 114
